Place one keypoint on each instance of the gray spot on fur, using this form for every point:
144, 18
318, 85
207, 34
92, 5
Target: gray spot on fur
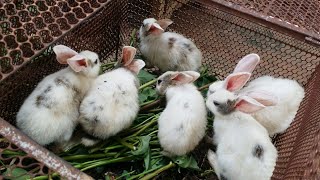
188, 46
100, 108
186, 105
43, 99
48, 89
180, 128
62, 81
91, 102
166, 82
258, 151
226, 108
171, 42
222, 177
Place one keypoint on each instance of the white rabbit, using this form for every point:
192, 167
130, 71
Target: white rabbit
244, 149
112, 103
276, 119
183, 122
51, 111
167, 50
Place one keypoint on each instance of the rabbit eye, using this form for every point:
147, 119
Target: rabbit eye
216, 103
211, 92
96, 61
159, 81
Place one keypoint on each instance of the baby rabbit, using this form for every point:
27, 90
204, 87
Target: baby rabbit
51, 111
167, 50
112, 103
276, 119
244, 149
183, 122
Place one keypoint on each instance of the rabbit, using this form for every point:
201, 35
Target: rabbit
51, 111
244, 148
183, 122
276, 119
112, 104
167, 50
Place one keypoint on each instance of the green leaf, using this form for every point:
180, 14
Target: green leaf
148, 94
16, 174
187, 162
145, 76
142, 98
125, 174
147, 159
143, 145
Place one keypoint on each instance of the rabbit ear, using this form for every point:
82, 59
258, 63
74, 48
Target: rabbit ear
136, 66
263, 97
247, 63
181, 78
155, 29
77, 63
63, 53
128, 53
248, 105
195, 75
236, 81
164, 23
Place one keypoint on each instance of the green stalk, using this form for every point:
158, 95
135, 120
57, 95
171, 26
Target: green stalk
89, 156
133, 37
151, 175
148, 84
154, 120
148, 102
44, 177
128, 145
117, 160
9, 152
143, 173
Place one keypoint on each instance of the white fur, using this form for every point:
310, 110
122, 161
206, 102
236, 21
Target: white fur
183, 122
236, 135
276, 119
112, 102
156, 49
47, 125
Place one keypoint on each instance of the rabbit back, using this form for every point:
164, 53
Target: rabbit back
183, 122
111, 104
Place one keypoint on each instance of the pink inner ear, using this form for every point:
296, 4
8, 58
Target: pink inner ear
264, 97
128, 54
77, 63
181, 78
247, 63
235, 82
164, 23
248, 105
156, 29
63, 53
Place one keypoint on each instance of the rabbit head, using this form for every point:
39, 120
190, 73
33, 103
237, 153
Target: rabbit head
175, 78
127, 60
152, 26
247, 64
85, 62
224, 101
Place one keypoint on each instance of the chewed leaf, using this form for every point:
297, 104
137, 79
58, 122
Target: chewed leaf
143, 145
16, 174
145, 77
187, 162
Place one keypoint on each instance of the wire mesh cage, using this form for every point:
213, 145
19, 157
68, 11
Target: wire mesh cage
284, 33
